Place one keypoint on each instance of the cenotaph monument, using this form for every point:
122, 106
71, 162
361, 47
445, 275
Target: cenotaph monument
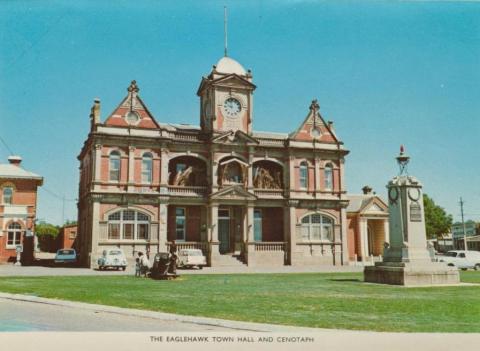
407, 259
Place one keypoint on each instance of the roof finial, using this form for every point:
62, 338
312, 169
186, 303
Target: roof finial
314, 105
402, 160
225, 28
133, 87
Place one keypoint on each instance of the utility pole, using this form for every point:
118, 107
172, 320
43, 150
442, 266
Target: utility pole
63, 210
463, 225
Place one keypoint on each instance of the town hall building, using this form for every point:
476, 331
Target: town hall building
241, 196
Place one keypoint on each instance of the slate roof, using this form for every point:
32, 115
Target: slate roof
16, 172
359, 201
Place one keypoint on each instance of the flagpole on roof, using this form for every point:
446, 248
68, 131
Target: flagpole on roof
225, 28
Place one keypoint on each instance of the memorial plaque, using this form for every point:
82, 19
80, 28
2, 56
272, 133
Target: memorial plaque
415, 212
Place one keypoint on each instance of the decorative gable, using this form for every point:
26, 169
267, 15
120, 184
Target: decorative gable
314, 127
234, 192
374, 207
132, 112
234, 137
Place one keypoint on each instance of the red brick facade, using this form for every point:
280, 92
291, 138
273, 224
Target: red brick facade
18, 207
266, 197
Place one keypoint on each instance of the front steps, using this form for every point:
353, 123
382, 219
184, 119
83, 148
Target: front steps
227, 260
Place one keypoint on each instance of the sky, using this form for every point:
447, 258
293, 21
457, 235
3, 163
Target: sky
386, 73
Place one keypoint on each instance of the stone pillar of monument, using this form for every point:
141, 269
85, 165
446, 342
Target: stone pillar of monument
406, 260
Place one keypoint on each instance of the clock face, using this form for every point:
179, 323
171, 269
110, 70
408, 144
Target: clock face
232, 107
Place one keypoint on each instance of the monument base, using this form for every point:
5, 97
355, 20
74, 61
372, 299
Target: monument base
411, 274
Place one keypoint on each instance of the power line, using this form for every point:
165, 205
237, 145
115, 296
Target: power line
60, 197
6, 146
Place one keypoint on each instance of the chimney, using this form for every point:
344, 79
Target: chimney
330, 125
367, 190
15, 160
95, 113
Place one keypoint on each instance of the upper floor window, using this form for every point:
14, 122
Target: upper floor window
7, 195
114, 166
303, 175
328, 177
316, 227
147, 161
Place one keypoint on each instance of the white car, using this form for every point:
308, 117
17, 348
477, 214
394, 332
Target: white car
191, 258
461, 259
112, 258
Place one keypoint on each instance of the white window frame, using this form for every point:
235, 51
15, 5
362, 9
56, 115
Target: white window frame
328, 177
313, 231
117, 157
136, 222
303, 179
17, 231
147, 168
10, 196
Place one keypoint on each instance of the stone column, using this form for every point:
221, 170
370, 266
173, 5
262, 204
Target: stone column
250, 169
163, 166
291, 172
249, 236
214, 246
97, 165
94, 254
363, 238
317, 173
162, 226
131, 168
290, 233
385, 231
344, 238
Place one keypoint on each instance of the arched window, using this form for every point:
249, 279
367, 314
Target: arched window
14, 235
316, 227
147, 160
303, 175
328, 175
128, 225
114, 166
7, 195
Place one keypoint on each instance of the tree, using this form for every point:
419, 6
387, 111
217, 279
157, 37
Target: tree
47, 234
437, 221
47, 229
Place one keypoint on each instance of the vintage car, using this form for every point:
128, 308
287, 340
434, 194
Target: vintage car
461, 259
191, 258
112, 258
66, 256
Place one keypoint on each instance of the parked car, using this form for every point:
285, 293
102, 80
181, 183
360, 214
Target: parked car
191, 258
461, 259
66, 256
112, 258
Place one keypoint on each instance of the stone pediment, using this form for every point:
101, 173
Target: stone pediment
234, 137
375, 206
234, 192
233, 80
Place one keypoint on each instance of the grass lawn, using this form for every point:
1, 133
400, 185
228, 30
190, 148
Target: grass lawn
337, 300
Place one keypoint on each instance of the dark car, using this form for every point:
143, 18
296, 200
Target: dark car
164, 266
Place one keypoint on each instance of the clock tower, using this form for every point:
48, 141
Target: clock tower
226, 98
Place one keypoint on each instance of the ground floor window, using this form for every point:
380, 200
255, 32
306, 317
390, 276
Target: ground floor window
257, 225
180, 223
316, 227
128, 225
14, 235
